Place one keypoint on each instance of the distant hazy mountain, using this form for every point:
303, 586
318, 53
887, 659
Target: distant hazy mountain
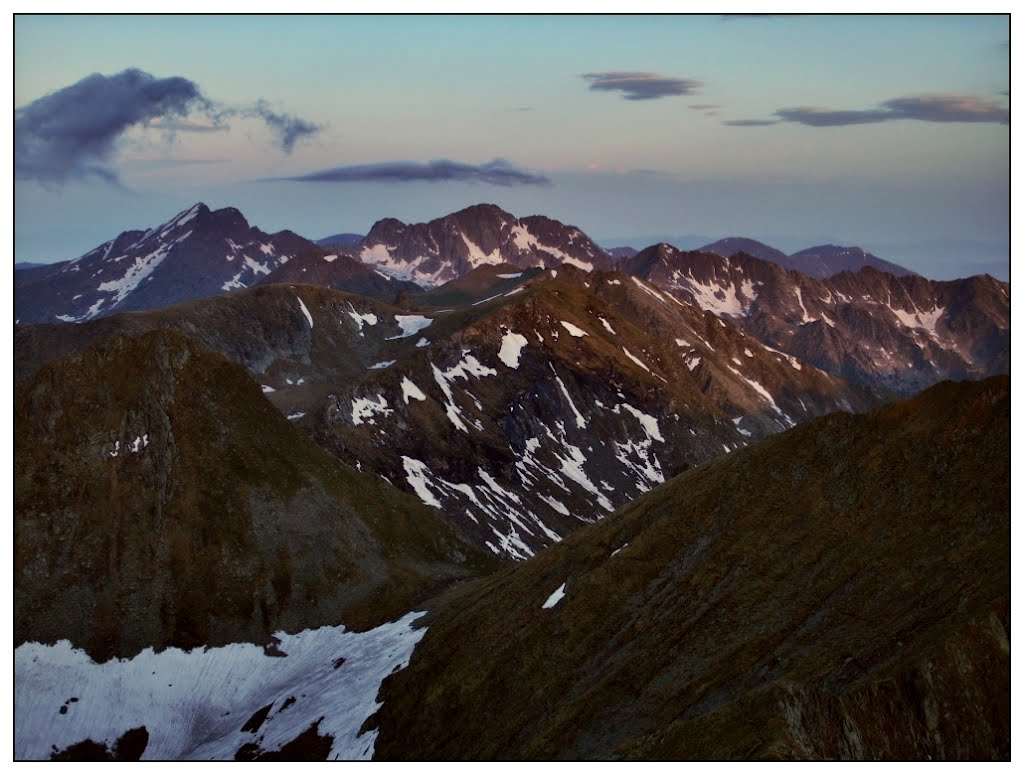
827, 260
821, 262
27, 265
730, 245
344, 240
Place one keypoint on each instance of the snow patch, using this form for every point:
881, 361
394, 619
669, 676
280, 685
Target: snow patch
306, 313
410, 325
409, 390
636, 360
573, 330
195, 703
363, 409
555, 597
512, 345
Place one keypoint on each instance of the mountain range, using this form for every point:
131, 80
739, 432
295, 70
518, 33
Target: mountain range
680, 475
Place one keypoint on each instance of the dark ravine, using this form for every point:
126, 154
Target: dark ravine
851, 604
162, 501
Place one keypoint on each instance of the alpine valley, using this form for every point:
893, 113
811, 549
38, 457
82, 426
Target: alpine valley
480, 488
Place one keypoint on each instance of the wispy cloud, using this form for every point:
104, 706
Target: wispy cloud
287, 127
498, 172
937, 108
641, 85
706, 106
73, 132
186, 125
750, 122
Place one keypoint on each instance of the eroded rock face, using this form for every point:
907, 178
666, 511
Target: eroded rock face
849, 603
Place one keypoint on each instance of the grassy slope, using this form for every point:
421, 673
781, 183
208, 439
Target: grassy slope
839, 590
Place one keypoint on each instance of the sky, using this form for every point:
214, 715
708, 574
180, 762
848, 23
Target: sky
887, 132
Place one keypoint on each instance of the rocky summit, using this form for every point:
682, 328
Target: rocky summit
199, 252
449, 247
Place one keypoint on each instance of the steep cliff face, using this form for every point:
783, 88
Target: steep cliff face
161, 500
836, 591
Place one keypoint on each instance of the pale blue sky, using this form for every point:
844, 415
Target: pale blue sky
389, 89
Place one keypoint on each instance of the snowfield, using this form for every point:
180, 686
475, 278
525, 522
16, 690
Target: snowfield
194, 704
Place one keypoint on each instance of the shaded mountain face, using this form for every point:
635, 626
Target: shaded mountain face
162, 501
852, 603
825, 261
297, 341
449, 247
543, 407
341, 272
897, 333
197, 253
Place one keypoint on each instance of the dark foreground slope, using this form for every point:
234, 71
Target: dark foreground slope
837, 591
161, 500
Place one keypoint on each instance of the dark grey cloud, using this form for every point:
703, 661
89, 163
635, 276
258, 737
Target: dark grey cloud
939, 108
73, 132
640, 85
498, 172
749, 122
706, 106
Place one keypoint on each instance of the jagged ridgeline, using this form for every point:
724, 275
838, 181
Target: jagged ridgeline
840, 590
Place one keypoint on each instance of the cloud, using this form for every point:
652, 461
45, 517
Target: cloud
949, 107
936, 108
705, 106
287, 127
749, 122
73, 132
186, 125
822, 117
498, 172
640, 85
